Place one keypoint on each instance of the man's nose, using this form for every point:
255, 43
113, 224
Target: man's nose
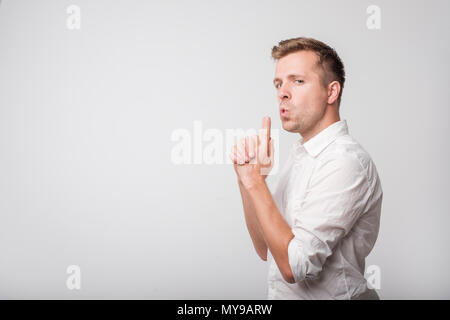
283, 94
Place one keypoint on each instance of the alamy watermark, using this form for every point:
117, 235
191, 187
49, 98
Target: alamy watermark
73, 281
373, 277
373, 21
213, 145
73, 21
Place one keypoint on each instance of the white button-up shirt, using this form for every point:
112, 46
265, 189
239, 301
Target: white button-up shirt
330, 194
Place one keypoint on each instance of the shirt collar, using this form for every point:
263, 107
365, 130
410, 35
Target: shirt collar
320, 141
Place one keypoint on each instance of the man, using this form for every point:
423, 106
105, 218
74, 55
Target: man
322, 221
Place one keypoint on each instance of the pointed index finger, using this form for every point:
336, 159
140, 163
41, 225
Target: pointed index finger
265, 135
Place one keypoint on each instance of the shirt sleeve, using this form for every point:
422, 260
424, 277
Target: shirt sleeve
335, 198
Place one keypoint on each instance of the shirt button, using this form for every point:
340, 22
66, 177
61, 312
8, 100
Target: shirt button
273, 285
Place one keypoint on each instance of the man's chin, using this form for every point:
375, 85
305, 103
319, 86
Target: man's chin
287, 125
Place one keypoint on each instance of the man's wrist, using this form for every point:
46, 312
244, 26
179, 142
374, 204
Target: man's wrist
254, 184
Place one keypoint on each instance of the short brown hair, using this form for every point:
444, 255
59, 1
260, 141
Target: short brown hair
328, 58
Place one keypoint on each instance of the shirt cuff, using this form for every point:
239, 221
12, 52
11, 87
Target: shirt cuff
294, 260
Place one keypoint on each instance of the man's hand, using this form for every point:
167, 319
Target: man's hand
253, 156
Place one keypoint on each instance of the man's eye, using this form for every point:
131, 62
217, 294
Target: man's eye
299, 81
277, 85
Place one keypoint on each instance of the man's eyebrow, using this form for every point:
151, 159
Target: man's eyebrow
290, 76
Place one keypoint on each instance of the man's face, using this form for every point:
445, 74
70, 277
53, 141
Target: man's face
301, 94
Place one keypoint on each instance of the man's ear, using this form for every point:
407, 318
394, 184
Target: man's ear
333, 91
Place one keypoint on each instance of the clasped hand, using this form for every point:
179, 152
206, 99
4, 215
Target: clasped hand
253, 156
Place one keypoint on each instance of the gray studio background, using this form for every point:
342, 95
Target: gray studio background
86, 118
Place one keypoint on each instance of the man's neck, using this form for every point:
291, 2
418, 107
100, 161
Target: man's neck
323, 123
